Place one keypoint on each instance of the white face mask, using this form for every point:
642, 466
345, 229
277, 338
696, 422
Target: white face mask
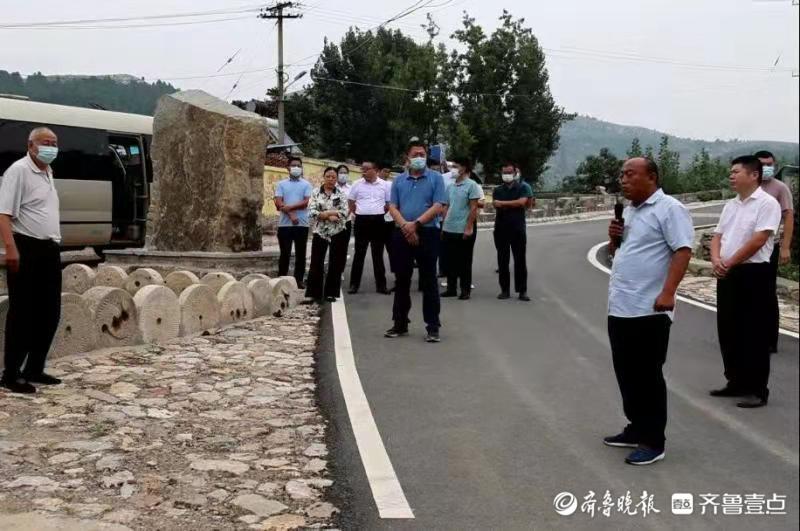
295, 171
768, 173
342, 178
456, 173
508, 178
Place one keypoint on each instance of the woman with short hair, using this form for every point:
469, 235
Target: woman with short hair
328, 209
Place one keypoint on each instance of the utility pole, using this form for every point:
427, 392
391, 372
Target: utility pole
276, 12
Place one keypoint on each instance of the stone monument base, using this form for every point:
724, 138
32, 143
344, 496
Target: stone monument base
198, 262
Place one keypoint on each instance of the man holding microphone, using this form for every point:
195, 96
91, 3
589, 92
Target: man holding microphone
651, 247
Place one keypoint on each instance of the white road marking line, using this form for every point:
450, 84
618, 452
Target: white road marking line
706, 406
386, 489
592, 258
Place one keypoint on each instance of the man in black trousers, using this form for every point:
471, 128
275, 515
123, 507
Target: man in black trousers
30, 230
369, 201
651, 247
740, 252
510, 201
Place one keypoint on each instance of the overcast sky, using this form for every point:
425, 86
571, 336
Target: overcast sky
669, 79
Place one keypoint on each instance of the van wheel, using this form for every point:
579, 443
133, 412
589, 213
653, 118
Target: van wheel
100, 252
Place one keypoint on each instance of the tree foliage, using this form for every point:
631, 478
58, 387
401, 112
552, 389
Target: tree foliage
348, 115
504, 97
597, 170
126, 94
489, 99
704, 173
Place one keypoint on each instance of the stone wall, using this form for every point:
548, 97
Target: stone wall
579, 204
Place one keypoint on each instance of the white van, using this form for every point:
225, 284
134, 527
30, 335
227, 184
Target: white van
103, 170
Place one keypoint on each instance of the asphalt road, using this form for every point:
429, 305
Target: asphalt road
487, 427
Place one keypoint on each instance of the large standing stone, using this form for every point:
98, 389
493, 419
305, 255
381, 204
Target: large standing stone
208, 161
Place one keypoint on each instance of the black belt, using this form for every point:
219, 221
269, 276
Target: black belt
28, 241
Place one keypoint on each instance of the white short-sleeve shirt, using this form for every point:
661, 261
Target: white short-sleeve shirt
370, 198
28, 195
741, 219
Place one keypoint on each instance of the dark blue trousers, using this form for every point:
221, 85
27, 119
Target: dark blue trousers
403, 256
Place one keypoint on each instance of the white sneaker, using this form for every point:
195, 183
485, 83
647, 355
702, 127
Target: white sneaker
444, 284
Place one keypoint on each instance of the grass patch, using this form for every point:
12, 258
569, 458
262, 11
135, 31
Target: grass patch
101, 429
790, 271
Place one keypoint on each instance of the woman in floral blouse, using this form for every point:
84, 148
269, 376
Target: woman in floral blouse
328, 211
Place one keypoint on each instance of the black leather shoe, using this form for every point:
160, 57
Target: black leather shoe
18, 386
44, 379
448, 293
383, 291
727, 391
352, 291
330, 298
504, 295
524, 297
752, 403
464, 296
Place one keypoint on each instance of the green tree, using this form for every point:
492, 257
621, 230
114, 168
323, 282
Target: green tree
504, 97
704, 173
373, 91
126, 94
635, 150
602, 169
669, 165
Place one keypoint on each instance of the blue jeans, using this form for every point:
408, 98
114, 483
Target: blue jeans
403, 256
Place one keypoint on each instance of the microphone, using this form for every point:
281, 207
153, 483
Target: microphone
618, 209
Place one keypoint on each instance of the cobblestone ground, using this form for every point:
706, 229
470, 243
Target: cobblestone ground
704, 289
214, 432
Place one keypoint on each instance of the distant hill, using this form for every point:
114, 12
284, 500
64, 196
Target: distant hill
580, 137
585, 136
118, 92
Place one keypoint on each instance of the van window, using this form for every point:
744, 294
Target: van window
83, 154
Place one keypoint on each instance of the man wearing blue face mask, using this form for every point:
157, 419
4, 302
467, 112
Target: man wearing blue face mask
291, 200
417, 199
30, 230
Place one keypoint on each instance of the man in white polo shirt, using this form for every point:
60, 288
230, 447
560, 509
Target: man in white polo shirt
369, 200
740, 252
30, 231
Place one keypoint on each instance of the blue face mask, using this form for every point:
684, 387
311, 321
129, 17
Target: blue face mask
768, 172
47, 154
418, 163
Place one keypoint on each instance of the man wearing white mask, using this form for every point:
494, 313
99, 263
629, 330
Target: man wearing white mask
30, 230
782, 252
510, 200
291, 200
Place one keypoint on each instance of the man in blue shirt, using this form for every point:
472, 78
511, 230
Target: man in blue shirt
291, 200
417, 199
651, 246
458, 229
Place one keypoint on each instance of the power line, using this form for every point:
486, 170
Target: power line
128, 26
30, 25
419, 91
416, 6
